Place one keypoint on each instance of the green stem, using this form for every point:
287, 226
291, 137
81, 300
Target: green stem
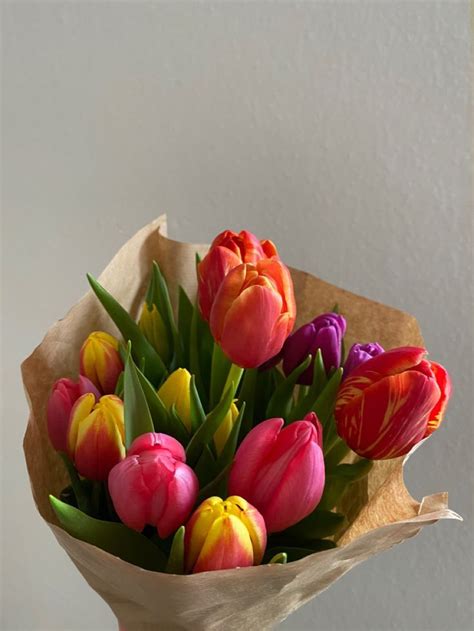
219, 370
82, 499
234, 376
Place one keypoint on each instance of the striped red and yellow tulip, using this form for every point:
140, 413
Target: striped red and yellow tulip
100, 361
223, 534
391, 402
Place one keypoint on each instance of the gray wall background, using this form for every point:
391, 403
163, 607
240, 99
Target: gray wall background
340, 130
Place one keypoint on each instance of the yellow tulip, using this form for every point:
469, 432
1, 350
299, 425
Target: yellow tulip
152, 326
225, 428
176, 391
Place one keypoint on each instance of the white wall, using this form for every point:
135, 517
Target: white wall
340, 130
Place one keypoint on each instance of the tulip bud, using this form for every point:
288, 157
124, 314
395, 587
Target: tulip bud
324, 332
253, 312
100, 361
152, 326
176, 391
391, 402
96, 435
224, 534
228, 250
64, 394
281, 471
225, 428
153, 485
358, 354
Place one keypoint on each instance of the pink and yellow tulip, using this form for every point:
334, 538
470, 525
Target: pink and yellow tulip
280, 470
253, 312
224, 534
391, 402
153, 485
100, 361
96, 435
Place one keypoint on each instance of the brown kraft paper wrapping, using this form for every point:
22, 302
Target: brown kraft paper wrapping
382, 511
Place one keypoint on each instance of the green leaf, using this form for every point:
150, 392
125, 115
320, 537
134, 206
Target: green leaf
163, 304
177, 426
137, 415
141, 347
194, 354
281, 557
282, 398
317, 525
354, 471
247, 397
81, 494
219, 370
175, 563
333, 456
324, 405
185, 316
206, 468
119, 385
196, 410
206, 431
217, 486
230, 446
112, 537
339, 480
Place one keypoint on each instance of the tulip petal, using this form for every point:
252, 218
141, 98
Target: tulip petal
227, 294
81, 410
155, 440
444, 383
227, 545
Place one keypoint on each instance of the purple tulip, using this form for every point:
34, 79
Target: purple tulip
324, 332
360, 353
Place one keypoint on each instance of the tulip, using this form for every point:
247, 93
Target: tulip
96, 435
360, 353
228, 250
100, 361
224, 534
324, 332
391, 402
176, 391
281, 471
152, 326
64, 394
225, 428
254, 312
153, 485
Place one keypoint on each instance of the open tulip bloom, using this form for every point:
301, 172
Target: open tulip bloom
210, 434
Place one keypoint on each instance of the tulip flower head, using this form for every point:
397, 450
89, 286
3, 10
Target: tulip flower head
153, 485
358, 354
100, 361
228, 250
176, 391
391, 402
152, 326
324, 332
224, 534
96, 435
64, 394
280, 470
253, 312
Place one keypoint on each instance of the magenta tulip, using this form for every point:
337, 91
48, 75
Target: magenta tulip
64, 394
280, 470
153, 485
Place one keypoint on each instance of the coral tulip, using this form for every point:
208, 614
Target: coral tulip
253, 312
224, 534
64, 394
391, 402
153, 485
96, 435
281, 470
176, 391
100, 361
228, 250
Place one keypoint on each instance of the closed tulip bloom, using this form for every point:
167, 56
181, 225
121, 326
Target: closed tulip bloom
64, 394
324, 332
225, 428
100, 361
153, 328
391, 402
228, 250
254, 312
96, 435
153, 485
224, 534
176, 391
360, 353
280, 470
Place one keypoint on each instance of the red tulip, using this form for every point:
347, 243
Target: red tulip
228, 250
391, 402
64, 394
153, 485
253, 312
281, 471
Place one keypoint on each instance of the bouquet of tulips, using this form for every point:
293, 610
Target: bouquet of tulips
211, 434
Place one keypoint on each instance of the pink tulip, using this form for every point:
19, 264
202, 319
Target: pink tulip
153, 485
281, 471
64, 394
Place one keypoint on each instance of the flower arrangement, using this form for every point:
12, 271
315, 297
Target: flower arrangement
214, 435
